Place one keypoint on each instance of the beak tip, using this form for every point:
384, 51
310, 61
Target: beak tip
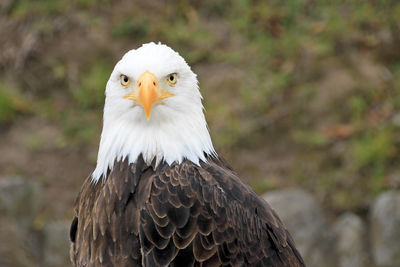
148, 115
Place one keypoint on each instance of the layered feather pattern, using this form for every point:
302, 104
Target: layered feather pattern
177, 215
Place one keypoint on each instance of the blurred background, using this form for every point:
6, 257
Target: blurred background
301, 97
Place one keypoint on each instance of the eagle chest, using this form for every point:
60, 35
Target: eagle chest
142, 216
179, 215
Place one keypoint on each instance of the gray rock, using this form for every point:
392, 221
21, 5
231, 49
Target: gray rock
306, 222
350, 233
56, 244
20, 199
385, 229
19, 246
19, 204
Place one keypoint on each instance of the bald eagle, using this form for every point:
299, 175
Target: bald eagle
160, 195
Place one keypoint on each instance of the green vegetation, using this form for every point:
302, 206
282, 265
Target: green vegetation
7, 108
11, 104
313, 85
90, 93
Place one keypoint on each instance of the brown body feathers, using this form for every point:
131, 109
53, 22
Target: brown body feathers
179, 215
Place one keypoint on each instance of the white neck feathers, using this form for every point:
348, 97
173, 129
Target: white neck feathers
170, 137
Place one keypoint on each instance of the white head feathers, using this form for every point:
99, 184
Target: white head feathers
176, 128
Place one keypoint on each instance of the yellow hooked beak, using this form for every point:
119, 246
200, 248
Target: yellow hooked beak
148, 93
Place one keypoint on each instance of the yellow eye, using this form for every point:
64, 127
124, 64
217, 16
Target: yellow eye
124, 80
172, 78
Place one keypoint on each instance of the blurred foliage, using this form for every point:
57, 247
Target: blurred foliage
7, 109
11, 104
90, 93
374, 148
312, 85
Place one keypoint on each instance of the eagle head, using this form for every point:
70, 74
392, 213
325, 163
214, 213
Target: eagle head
153, 108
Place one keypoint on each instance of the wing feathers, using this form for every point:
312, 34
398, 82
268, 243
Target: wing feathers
182, 242
179, 215
200, 252
162, 257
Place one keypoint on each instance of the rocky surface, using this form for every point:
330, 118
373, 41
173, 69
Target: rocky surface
19, 246
22, 244
20, 199
385, 229
56, 244
350, 232
306, 222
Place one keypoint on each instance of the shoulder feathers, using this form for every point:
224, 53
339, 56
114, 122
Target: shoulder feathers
179, 215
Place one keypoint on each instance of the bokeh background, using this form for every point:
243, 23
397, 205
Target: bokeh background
298, 94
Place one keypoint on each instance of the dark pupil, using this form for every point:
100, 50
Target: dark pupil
125, 79
171, 78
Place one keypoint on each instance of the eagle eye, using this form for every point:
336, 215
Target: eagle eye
172, 78
124, 80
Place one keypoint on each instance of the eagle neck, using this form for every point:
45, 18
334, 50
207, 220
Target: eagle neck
157, 140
